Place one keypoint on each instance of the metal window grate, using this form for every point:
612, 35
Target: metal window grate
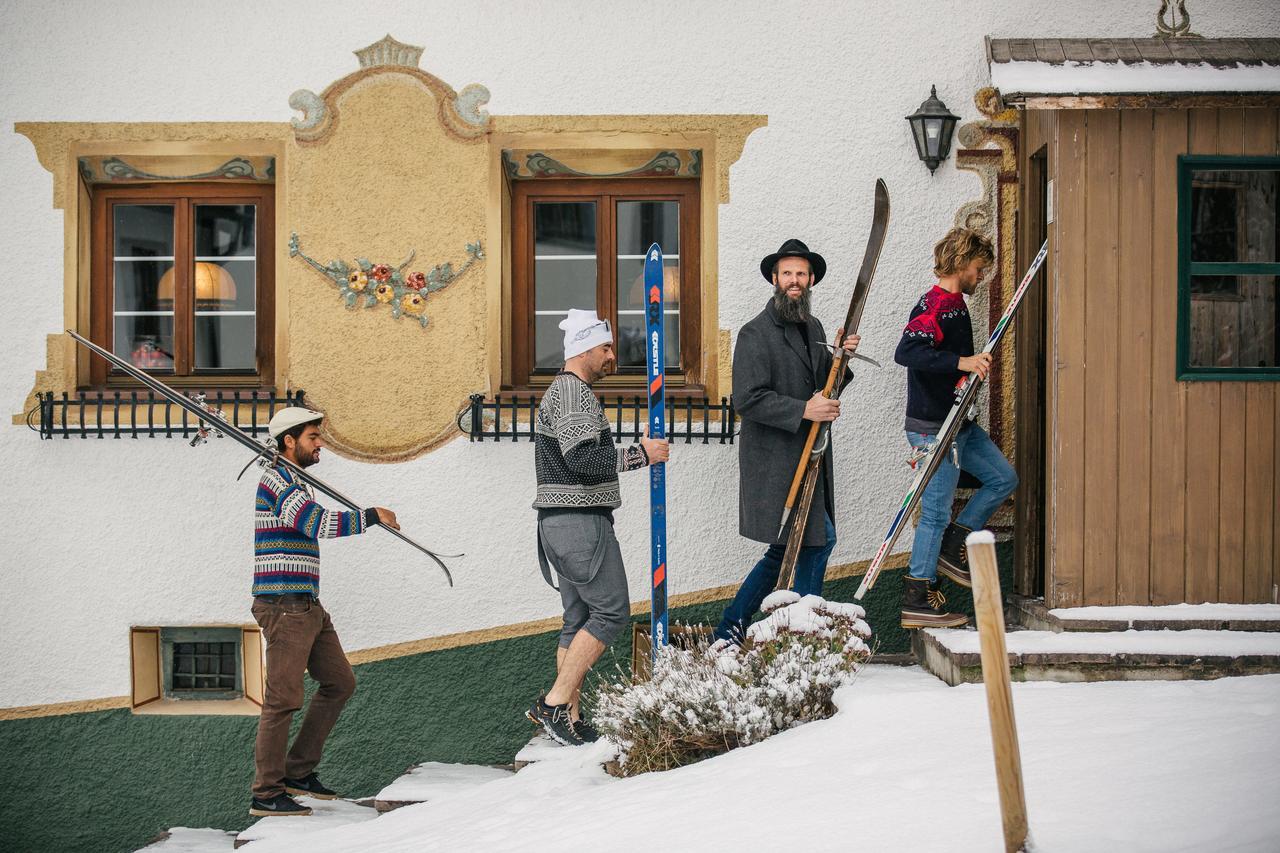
91, 414
204, 666
688, 420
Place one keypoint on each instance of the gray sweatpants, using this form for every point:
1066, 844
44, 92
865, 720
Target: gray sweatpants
583, 550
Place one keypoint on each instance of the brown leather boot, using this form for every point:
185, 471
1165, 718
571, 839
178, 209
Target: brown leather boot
922, 606
953, 559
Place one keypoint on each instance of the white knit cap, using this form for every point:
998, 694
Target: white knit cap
286, 419
583, 330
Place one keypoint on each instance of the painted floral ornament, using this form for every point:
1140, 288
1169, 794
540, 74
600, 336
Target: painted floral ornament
368, 285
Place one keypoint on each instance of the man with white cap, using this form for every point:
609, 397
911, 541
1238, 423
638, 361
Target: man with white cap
286, 603
577, 466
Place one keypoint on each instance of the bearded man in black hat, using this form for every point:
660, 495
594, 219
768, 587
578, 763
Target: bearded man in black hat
780, 366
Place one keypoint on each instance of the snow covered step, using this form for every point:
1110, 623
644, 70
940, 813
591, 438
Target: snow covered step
182, 839
325, 815
953, 655
433, 780
1031, 613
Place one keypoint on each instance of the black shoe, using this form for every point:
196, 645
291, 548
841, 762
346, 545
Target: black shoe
281, 805
586, 731
953, 559
922, 606
555, 721
309, 786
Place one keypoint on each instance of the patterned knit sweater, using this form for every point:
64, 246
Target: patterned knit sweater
288, 525
937, 335
576, 461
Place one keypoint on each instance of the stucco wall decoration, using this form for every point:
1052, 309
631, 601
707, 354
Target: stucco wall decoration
368, 285
388, 158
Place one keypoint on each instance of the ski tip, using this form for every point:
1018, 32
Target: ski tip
655, 252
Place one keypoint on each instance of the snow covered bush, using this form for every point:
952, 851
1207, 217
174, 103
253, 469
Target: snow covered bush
706, 700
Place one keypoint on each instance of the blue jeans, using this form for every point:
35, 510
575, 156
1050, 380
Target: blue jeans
811, 567
981, 458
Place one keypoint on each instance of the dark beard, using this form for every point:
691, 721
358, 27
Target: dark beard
791, 310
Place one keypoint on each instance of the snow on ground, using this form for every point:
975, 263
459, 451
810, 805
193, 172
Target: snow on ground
1164, 642
291, 831
1180, 612
433, 780
905, 765
184, 840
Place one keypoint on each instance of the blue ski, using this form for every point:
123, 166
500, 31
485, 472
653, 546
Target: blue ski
657, 429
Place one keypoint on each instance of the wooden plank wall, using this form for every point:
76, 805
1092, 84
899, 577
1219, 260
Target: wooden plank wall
1159, 491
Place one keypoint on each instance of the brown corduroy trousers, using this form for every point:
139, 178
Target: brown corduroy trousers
300, 637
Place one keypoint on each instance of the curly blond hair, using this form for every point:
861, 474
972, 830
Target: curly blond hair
955, 251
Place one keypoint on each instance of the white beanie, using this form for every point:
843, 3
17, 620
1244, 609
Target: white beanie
583, 330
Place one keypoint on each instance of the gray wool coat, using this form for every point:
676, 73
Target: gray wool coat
773, 378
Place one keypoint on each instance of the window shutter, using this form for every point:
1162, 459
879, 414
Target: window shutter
144, 661
254, 676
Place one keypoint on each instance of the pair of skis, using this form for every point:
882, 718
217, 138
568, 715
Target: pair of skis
966, 395
655, 364
795, 511
264, 453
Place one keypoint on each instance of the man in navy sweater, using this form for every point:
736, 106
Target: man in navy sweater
937, 350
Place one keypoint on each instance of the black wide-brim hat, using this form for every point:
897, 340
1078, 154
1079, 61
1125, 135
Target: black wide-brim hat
793, 248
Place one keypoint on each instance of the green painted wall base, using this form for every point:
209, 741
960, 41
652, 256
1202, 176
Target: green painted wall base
111, 780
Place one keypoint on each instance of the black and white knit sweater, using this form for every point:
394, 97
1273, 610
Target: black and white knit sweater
576, 460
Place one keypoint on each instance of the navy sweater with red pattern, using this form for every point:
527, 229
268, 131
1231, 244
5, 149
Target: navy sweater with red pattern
936, 336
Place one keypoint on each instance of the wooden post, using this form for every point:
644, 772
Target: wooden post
989, 608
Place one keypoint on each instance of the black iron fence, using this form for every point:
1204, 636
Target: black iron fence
689, 420
141, 414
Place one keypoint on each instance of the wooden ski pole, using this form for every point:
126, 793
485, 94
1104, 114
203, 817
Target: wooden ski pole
989, 609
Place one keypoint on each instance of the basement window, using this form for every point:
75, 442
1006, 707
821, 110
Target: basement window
197, 670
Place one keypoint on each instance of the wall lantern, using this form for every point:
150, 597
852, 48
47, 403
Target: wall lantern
931, 127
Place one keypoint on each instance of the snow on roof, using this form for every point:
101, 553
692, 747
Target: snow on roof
1021, 67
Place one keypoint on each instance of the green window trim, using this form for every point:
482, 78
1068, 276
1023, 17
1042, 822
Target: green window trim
1187, 164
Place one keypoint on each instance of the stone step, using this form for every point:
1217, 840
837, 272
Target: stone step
432, 780
953, 654
1032, 613
325, 814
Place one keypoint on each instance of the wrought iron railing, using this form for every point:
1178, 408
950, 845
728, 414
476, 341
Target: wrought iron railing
141, 414
689, 420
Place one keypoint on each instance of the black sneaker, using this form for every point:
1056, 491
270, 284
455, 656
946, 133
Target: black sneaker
555, 721
586, 731
309, 786
281, 805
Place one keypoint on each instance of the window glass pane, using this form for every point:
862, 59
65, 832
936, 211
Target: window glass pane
143, 230
143, 285
564, 272
1233, 321
640, 225
145, 340
631, 342
643, 223
225, 341
631, 313
1233, 216
225, 230
226, 285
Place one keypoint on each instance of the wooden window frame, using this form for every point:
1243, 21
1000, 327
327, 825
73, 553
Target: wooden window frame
184, 196
606, 192
1187, 164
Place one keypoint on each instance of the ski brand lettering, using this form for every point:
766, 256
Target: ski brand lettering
657, 429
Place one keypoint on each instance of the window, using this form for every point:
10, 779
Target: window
183, 282
194, 670
1228, 267
580, 243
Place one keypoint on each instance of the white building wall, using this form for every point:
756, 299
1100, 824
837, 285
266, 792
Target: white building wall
101, 535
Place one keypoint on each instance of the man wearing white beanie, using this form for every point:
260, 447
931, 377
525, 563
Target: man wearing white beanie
577, 465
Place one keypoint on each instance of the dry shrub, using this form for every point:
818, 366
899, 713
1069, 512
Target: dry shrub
704, 701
